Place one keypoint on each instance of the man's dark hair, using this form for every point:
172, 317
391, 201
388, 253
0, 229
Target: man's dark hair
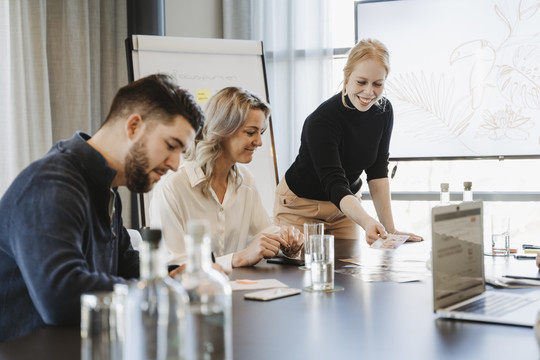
156, 97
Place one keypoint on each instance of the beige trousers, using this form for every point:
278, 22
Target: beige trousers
290, 209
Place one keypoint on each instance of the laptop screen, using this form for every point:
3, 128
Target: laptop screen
458, 260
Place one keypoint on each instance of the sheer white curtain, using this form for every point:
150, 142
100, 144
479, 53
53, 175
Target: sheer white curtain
297, 44
64, 62
26, 113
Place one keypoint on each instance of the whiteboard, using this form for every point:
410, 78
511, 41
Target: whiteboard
465, 75
205, 66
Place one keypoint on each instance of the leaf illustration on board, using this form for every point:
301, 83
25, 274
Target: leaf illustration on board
527, 8
501, 14
520, 81
483, 56
505, 124
429, 107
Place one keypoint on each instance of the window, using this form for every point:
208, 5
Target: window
510, 185
342, 25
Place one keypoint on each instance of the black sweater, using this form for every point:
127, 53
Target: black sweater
337, 145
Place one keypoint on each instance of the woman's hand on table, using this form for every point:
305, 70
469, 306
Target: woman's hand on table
180, 269
264, 246
412, 237
374, 230
294, 239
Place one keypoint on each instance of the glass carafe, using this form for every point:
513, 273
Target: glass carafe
155, 307
209, 316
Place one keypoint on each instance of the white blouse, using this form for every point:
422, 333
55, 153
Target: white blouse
178, 198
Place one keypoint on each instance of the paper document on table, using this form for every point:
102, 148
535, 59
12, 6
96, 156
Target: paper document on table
256, 284
511, 283
392, 241
374, 275
377, 265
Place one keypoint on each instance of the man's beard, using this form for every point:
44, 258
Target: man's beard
137, 178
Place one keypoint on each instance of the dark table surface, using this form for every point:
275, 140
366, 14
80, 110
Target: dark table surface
368, 319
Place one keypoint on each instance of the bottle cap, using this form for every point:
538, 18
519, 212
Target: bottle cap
197, 229
153, 236
445, 186
467, 185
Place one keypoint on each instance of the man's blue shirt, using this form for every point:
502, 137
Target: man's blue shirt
61, 235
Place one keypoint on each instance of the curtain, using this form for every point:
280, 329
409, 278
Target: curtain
26, 114
297, 45
87, 61
64, 62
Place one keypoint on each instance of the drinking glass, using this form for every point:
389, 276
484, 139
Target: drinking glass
98, 330
500, 235
310, 229
322, 262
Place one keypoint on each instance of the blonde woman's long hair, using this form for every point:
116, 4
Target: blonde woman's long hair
366, 49
225, 113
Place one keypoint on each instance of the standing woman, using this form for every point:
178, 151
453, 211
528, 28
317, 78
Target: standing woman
345, 136
212, 185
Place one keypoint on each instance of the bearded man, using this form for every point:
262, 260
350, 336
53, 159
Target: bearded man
61, 231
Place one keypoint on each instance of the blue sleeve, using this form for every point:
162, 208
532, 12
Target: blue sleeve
49, 237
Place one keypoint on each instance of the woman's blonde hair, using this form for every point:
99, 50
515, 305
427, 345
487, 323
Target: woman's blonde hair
366, 49
225, 113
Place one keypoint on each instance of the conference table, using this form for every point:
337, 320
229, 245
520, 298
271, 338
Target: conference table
366, 320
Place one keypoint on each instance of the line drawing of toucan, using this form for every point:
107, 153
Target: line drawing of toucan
484, 56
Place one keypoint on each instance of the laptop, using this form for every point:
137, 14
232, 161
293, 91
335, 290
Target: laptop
459, 286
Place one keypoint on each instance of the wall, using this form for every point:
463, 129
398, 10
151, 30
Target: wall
200, 18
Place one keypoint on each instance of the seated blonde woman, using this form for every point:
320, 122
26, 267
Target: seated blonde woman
212, 185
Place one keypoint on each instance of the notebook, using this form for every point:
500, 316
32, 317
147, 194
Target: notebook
459, 287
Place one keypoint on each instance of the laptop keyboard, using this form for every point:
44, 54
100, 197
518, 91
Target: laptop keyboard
494, 304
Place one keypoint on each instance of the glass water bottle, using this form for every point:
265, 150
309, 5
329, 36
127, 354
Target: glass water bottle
467, 191
445, 194
209, 316
155, 306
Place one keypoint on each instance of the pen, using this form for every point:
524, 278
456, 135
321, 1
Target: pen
521, 277
528, 246
213, 257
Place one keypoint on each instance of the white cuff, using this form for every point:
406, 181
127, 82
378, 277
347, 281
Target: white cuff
225, 262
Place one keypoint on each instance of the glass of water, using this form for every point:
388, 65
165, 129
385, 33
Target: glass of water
500, 234
322, 262
310, 229
97, 326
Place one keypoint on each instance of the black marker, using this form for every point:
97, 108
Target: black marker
524, 257
393, 171
213, 257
